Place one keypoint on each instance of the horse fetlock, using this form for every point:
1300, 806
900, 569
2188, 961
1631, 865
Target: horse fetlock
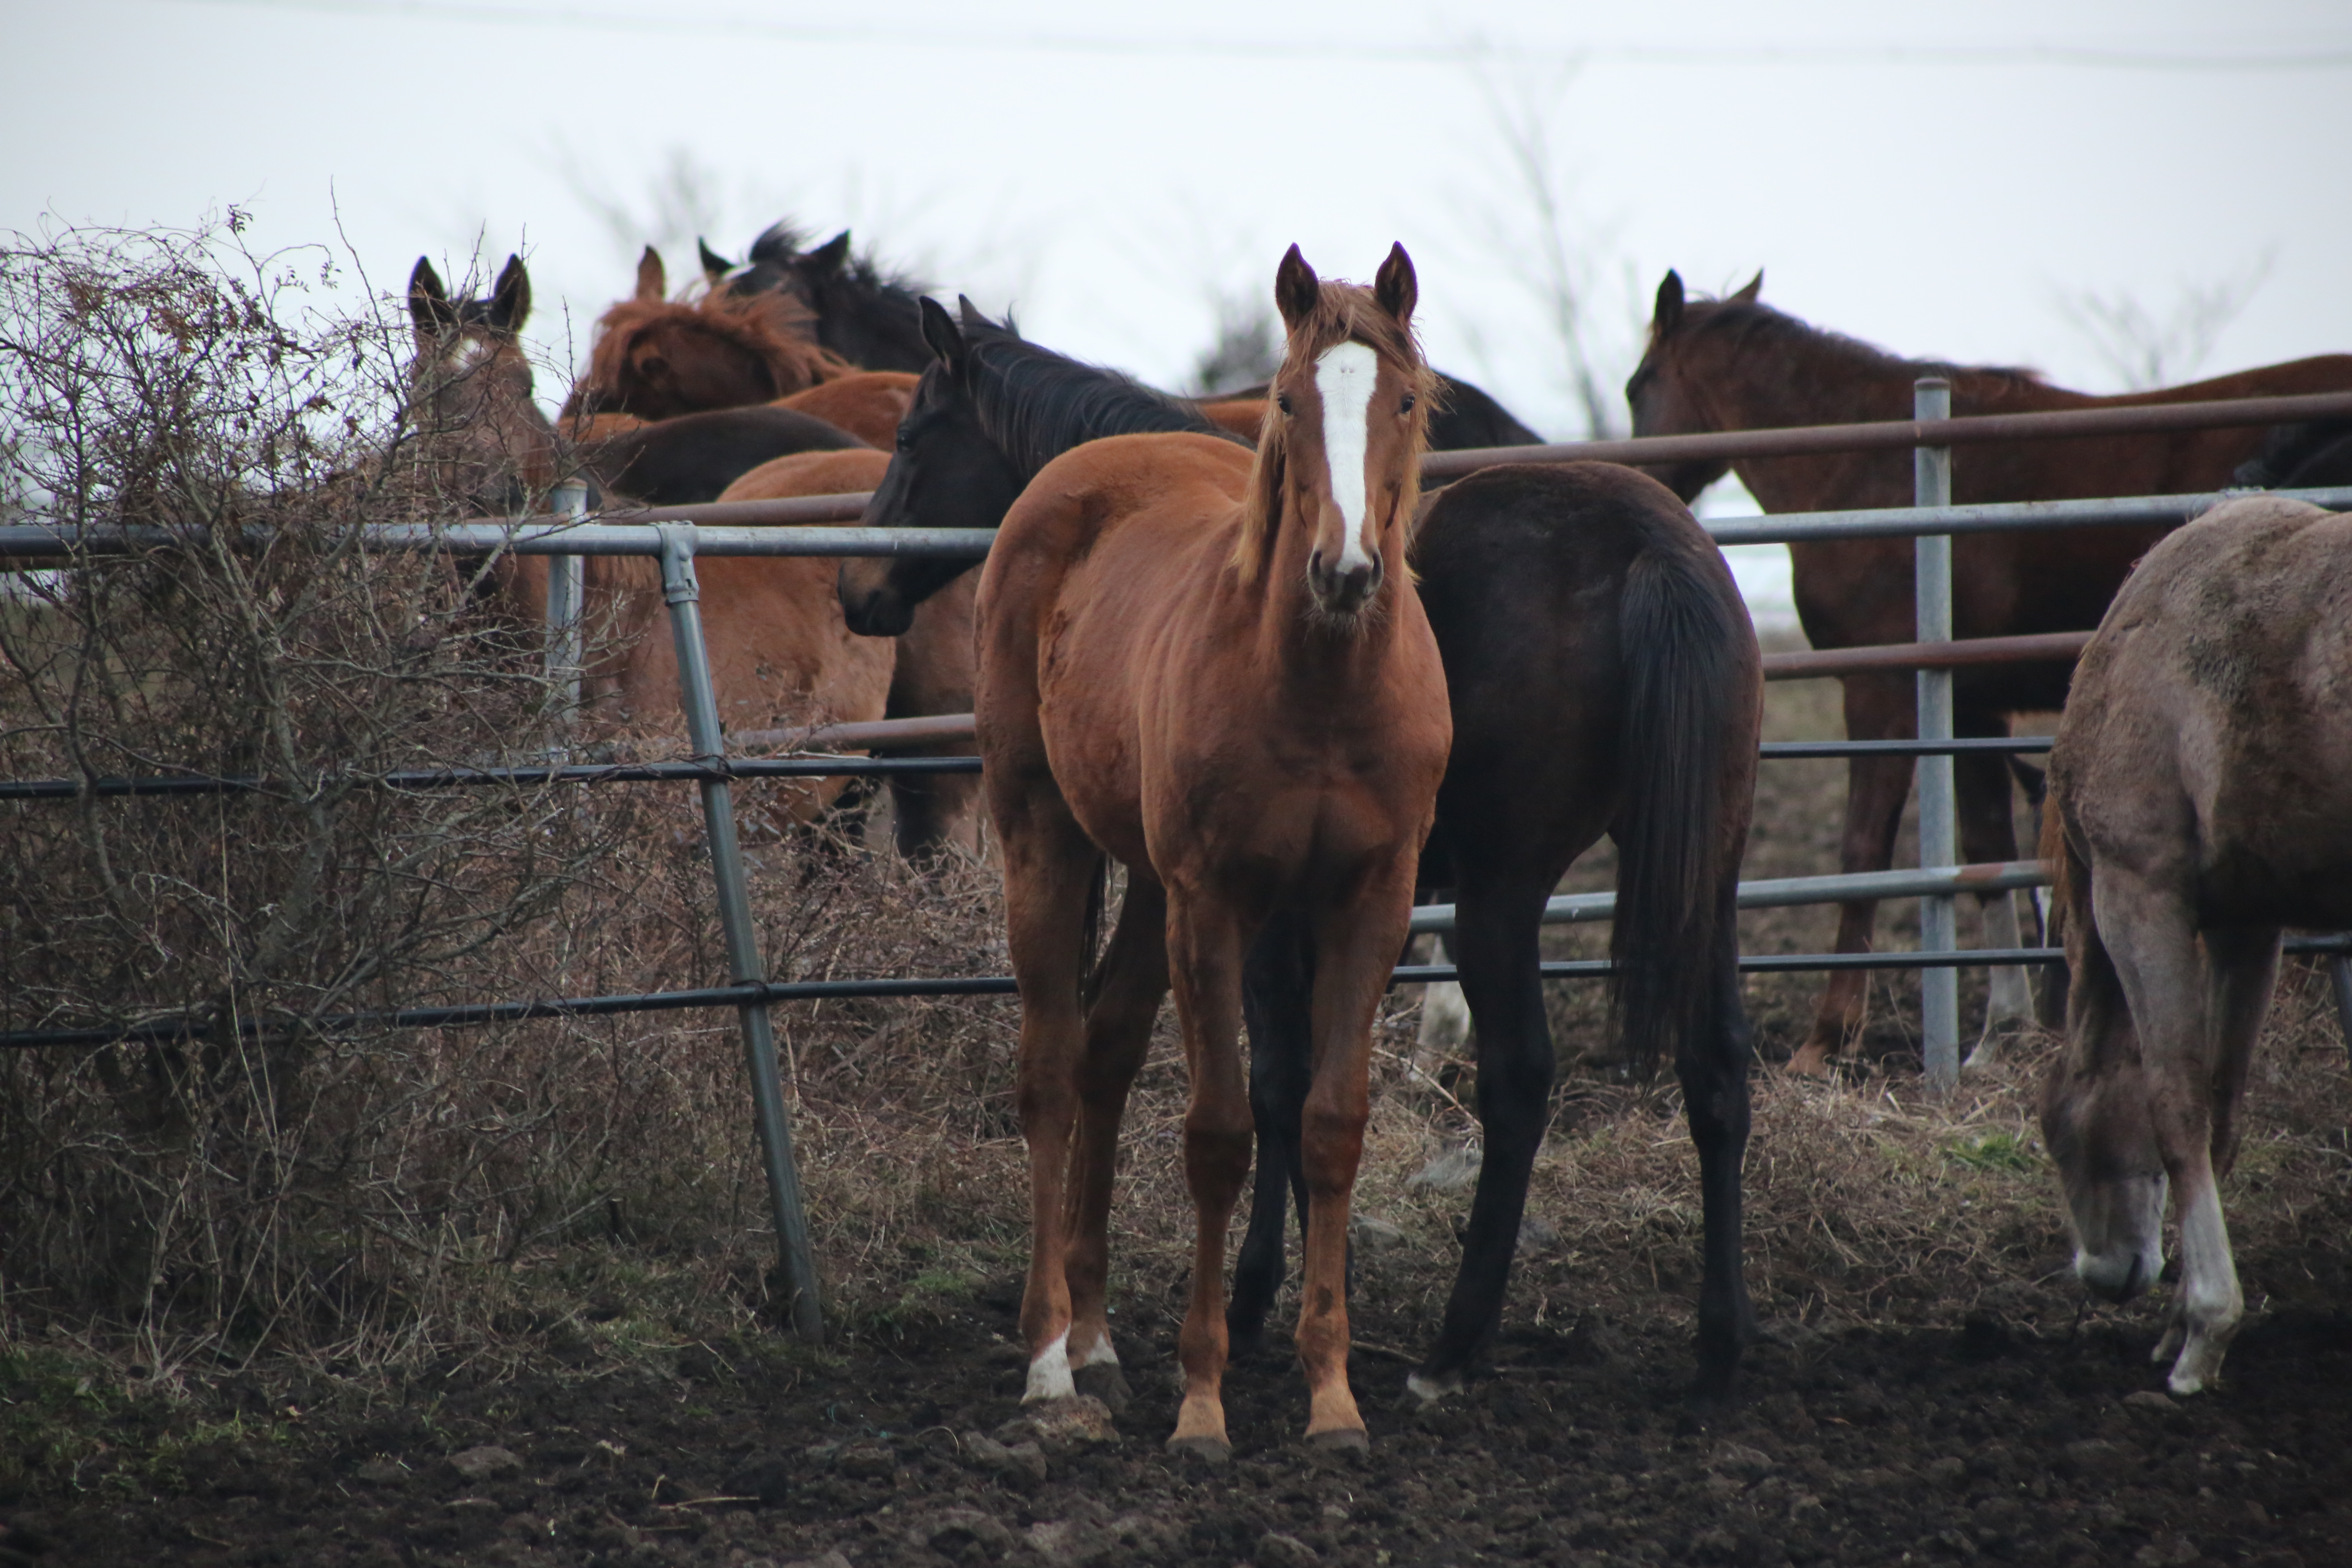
1049, 1372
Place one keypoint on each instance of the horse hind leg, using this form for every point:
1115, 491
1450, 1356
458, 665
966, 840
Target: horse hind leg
1875, 788
1129, 986
1276, 997
2242, 967
1712, 1063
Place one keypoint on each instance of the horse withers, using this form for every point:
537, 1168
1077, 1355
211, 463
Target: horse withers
2200, 800
1212, 667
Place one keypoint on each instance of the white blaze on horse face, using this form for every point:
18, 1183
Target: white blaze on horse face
1345, 377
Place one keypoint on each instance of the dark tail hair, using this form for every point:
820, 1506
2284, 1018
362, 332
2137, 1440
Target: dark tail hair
1683, 643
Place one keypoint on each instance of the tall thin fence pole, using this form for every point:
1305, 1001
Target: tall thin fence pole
566, 580
683, 594
1939, 989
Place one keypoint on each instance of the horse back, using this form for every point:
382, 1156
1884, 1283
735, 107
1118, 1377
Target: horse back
2208, 742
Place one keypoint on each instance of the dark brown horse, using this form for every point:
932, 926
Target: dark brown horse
1739, 364
1215, 671
857, 307
1602, 677
2201, 799
469, 390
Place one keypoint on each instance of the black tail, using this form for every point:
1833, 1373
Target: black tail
1689, 660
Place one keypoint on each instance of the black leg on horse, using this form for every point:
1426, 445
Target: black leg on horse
1712, 1063
1277, 994
1495, 947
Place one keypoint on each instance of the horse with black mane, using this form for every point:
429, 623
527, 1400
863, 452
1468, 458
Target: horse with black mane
1735, 363
1602, 676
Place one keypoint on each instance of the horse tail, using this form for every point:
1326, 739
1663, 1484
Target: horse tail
1690, 663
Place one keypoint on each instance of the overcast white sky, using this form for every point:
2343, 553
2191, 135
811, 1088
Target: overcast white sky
1929, 178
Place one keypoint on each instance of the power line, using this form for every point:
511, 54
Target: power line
671, 25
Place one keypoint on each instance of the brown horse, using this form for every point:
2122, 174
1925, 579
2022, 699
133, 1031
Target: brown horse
2201, 799
932, 673
1739, 364
1217, 672
657, 358
469, 392
868, 404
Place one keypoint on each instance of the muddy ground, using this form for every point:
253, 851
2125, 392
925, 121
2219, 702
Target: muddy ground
1932, 1388
2005, 1441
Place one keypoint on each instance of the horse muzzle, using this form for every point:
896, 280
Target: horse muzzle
1342, 591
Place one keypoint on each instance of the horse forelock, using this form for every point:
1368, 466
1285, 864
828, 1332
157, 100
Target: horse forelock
769, 326
1344, 312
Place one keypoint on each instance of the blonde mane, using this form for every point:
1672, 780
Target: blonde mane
1344, 312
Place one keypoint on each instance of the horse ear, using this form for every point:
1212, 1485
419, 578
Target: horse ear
828, 258
1394, 288
941, 332
1667, 313
715, 267
510, 301
1747, 295
653, 277
1297, 289
428, 302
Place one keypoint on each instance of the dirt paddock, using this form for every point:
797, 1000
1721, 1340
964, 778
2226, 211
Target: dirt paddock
1932, 1387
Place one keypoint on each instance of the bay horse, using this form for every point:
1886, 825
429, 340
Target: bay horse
657, 358
1737, 363
1210, 666
2200, 800
1602, 676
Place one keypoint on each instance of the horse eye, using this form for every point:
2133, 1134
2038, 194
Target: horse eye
1282, 401
1408, 401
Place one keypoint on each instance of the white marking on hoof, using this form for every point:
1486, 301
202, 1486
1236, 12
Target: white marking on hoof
1430, 1390
1049, 1375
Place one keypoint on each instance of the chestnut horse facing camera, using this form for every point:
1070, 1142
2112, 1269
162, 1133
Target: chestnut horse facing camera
2201, 799
1216, 670
1739, 364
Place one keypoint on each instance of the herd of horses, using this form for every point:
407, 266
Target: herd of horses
1228, 643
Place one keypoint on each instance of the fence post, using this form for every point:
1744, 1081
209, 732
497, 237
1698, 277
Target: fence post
681, 592
1939, 989
566, 646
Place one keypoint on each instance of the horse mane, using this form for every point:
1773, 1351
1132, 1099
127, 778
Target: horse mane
1035, 403
1753, 324
774, 327
1344, 312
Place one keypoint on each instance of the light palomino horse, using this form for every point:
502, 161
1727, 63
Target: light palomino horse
1217, 672
2200, 800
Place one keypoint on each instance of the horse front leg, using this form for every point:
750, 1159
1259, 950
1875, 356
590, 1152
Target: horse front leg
1495, 933
1356, 941
1049, 865
1132, 981
1204, 951
1989, 833
1876, 709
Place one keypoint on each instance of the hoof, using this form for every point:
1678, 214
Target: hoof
1208, 1450
1422, 1390
1340, 1440
1811, 1061
1104, 1382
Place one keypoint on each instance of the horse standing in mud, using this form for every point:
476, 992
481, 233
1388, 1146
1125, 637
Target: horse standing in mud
1213, 670
2200, 800
1602, 676
1739, 364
